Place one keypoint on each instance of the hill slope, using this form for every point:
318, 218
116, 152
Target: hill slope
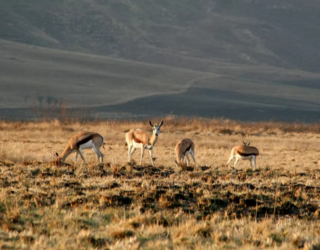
239, 59
112, 88
184, 34
32, 73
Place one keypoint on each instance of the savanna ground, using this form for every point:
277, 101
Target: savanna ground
117, 205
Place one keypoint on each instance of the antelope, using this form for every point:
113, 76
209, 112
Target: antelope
183, 149
136, 138
244, 152
83, 140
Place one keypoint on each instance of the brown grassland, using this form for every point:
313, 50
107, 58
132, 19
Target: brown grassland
116, 205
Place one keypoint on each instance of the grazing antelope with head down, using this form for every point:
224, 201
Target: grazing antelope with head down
84, 140
183, 149
244, 152
136, 138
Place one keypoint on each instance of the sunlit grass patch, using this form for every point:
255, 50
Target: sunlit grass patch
118, 205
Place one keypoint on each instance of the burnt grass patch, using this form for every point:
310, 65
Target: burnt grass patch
154, 191
226, 191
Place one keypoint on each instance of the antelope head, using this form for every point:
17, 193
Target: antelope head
181, 165
156, 128
56, 160
246, 143
56, 157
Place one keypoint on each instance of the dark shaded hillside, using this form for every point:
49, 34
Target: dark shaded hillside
39, 76
201, 102
246, 59
187, 34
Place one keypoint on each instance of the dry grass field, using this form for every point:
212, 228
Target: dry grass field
117, 205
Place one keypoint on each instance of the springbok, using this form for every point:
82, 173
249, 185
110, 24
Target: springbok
136, 138
183, 149
83, 140
244, 152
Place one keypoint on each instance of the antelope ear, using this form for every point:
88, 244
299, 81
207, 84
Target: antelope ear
244, 143
56, 154
160, 124
150, 123
248, 143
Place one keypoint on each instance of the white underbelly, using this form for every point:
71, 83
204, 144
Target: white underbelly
86, 145
245, 157
136, 145
188, 152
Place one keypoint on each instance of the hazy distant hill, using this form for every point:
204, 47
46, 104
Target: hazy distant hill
40, 75
248, 55
178, 33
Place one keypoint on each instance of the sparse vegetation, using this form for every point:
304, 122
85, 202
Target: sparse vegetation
122, 206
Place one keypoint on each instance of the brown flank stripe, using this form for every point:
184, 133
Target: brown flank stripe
188, 149
85, 140
138, 141
247, 154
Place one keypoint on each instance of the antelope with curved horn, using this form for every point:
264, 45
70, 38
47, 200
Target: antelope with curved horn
244, 152
83, 140
183, 149
136, 138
